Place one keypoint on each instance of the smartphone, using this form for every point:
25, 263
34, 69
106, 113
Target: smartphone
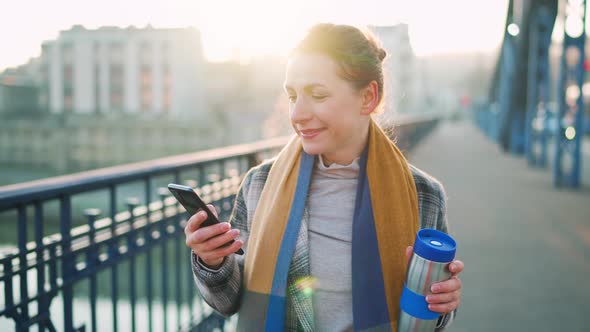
193, 203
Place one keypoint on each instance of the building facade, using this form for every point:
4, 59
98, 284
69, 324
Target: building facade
123, 70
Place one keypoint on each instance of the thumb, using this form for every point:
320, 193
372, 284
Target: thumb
213, 210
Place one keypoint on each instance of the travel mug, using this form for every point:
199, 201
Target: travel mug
433, 251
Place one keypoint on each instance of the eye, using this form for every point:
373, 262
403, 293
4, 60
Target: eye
319, 97
292, 99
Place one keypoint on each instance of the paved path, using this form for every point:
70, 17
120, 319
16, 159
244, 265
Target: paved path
526, 245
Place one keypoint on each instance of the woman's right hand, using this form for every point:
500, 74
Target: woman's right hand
208, 242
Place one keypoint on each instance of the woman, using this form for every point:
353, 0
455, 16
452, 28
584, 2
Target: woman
328, 224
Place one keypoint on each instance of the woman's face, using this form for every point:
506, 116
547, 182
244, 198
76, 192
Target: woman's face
326, 111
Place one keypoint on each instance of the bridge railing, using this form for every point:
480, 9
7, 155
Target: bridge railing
107, 246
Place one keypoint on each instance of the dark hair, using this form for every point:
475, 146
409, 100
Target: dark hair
357, 52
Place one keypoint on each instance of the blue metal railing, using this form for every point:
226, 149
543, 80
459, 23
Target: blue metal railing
80, 253
104, 254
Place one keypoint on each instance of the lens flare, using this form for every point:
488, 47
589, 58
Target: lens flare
570, 133
513, 29
305, 286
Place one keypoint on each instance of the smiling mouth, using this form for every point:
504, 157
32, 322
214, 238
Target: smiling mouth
310, 133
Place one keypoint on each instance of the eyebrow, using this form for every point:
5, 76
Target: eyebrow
308, 87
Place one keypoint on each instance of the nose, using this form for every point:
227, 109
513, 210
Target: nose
299, 111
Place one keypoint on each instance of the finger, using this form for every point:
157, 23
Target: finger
203, 234
444, 308
456, 267
409, 250
220, 240
443, 297
223, 251
213, 209
195, 222
446, 286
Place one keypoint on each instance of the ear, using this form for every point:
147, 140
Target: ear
370, 98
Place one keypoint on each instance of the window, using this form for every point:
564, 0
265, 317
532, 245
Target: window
116, 53
146, 100
68, 103
116, 100
67, 53
116, 75
68, 73
145, 53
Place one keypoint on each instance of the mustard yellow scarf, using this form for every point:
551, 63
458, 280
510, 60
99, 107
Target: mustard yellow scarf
385, 222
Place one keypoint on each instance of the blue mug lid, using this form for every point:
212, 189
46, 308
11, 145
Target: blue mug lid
435, 245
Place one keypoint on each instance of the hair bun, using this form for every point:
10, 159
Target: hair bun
381, 53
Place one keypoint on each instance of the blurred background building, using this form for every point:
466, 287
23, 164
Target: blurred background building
401, 73
112, 95
116, 70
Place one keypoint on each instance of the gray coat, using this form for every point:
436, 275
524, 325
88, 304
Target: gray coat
222, 289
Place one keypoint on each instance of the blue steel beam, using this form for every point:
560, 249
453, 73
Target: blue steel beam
517, 85
538, 84
506, 116
502, 89
511, 116
570, 126
535, 19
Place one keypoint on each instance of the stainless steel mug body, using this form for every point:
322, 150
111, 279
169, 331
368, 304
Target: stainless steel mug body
433, 251
422, 274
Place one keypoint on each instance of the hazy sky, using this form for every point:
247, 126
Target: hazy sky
256, 26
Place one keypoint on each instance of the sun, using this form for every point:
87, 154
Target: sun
243, 29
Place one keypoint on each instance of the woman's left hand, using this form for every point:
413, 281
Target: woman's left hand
446, 295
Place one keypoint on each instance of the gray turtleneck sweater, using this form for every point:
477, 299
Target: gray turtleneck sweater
331, 206
331, 200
